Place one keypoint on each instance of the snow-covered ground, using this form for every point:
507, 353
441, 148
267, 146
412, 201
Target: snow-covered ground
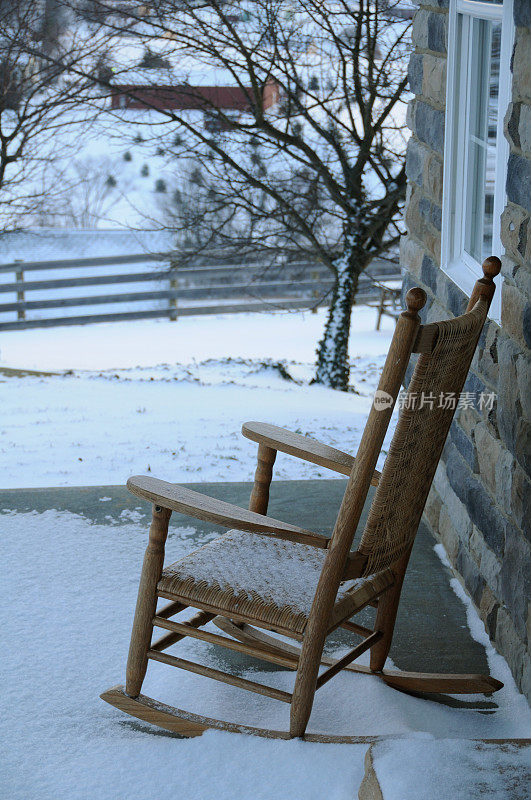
170, 398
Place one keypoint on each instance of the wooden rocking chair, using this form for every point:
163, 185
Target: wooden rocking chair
271, 575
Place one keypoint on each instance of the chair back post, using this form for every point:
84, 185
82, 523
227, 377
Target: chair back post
351, 508
378, 421
485, 287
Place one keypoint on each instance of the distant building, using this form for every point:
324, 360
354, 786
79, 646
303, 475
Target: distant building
161, 89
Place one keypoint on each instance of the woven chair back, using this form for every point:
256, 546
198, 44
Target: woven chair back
421, 431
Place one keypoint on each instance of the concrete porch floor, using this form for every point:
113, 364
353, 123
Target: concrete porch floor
431, 632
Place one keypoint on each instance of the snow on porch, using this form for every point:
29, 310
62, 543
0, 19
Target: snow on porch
66, 611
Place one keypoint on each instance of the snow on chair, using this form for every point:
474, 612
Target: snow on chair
273, 576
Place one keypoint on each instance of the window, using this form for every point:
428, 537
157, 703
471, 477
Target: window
476, 151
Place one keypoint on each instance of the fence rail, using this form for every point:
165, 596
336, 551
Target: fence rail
231, 288
100, 261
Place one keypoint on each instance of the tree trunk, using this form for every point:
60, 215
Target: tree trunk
332, 353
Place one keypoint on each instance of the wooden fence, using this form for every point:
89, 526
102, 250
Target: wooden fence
227, 288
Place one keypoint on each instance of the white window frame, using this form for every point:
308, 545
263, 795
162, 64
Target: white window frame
455, 261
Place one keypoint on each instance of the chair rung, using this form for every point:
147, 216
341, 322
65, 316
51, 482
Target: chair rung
170, 609
199, 619
355, 628
216, 674
343, 662
186, 629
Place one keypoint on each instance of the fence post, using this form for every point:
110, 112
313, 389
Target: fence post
173, 285
19, 277
381, 307
315, 293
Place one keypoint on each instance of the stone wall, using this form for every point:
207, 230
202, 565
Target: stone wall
477, 506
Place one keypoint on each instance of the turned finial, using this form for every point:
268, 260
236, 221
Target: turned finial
415, 300
485, 287
491, 267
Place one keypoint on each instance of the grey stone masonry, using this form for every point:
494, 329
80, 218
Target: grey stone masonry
479, 505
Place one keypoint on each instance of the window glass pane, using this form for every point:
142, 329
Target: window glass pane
456, 176
483, 85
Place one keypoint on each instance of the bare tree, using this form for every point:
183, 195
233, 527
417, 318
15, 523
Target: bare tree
44, 108
322, 169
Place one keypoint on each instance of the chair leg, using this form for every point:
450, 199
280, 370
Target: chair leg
386, 615
310, 661
304, 692
146, 603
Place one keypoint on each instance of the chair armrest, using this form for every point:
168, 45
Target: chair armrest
200, 506
302, 447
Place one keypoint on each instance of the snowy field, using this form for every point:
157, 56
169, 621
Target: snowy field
170, 398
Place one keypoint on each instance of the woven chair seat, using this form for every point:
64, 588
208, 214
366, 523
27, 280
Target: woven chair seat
263, 580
